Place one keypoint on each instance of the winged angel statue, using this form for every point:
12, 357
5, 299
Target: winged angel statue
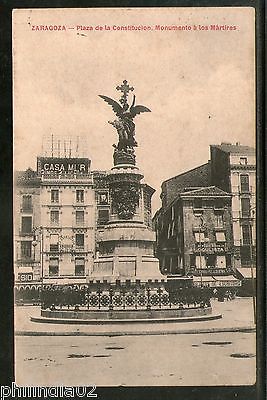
125, 113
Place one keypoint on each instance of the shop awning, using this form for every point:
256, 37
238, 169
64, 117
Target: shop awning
216, 281
246, 272
228, 280
207, 281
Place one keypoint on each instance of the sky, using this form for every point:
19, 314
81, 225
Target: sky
198, 83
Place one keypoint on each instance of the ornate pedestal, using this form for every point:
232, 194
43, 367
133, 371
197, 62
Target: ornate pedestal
126, 249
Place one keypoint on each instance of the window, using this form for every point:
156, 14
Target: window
245, 254
201, 262
221, 261
54, 196
54, 243
103, 217
219, 220
244, 183
211, 260
26, 249
26, 202
246, 234
243, 161
197, 203
80, 196
53, 267
79, 240
79, 217
79, 266
26, 225
54, 217
218, 203
220, 236
103, 198
245, 207
199, 237
192, 260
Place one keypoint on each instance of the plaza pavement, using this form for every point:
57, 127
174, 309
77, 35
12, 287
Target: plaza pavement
237, 316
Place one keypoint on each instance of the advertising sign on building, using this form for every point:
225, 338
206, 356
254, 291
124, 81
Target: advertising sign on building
25, 277
55, 165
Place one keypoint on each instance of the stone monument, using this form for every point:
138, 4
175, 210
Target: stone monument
126, 249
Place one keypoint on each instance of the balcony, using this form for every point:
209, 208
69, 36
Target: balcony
244, 189
67, 177
26, 208
67, 248
247, 214
25, 260
212, 270
26, 233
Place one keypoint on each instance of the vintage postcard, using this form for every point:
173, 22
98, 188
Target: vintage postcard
134, 198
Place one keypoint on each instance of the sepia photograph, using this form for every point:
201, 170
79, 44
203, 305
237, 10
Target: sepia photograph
134, 198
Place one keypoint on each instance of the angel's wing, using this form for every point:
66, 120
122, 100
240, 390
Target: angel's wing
115, 106
138, 110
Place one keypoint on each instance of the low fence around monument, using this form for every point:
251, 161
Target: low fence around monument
68, 298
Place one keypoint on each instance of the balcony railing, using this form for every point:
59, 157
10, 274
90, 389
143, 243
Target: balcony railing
26, 208
67, 248
246, 189
211, 270
238, 189
66, 177
25, 260
25, 233
246, 214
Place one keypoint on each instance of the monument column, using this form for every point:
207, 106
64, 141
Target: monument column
126, 250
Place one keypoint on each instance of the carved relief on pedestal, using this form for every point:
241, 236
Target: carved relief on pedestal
125, 199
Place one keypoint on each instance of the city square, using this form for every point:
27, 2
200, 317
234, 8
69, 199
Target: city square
137, 249
54, 354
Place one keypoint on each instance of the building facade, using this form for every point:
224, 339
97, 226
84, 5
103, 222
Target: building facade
67, 230
194, 236
233, 168
27, 216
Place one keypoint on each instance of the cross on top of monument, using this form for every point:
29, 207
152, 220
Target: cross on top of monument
125, 89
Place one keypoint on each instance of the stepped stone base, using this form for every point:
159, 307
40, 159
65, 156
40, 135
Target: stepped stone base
125, 316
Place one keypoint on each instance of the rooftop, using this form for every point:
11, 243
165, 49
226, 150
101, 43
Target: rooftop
205, 191
236, 148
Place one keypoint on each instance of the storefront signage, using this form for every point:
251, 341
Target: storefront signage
25, 277
52, 165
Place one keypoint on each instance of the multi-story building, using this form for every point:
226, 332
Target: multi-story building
233, 169
228, 175
194, 236
67, 230
27, 216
